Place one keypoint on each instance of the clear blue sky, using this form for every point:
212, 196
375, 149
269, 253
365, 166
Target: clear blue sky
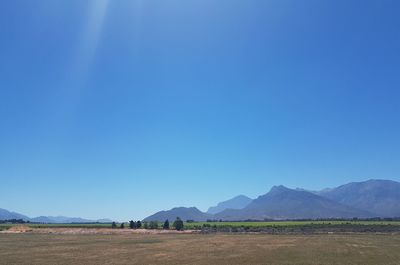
122, 108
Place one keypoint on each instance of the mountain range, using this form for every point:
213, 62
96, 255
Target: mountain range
368, 199
7, 215
380, 197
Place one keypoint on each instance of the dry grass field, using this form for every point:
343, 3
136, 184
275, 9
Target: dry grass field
35, 248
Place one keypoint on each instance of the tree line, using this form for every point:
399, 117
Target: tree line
13, 221
177, 225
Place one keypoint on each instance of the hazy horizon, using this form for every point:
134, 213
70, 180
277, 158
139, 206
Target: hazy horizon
119, 109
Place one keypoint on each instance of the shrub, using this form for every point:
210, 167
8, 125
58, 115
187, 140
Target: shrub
153, 225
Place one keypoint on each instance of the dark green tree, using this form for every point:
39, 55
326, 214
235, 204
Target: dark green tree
113, 225
166, 225
122, 226
145, 225
139, 224
178, 224
132, 224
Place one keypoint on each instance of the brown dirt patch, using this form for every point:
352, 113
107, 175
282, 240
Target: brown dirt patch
18, 229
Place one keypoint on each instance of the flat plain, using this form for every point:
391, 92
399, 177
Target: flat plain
35, 248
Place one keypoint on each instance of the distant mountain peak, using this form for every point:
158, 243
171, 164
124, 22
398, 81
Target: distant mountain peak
241, 196
181, 208
238, 202
279, 188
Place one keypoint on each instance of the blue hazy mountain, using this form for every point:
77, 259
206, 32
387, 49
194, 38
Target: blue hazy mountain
284, 203
66, 220
381, 197
372, 198
7, 215
185, 213
238, 202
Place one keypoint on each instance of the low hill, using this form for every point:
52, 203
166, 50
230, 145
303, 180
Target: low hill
185, 213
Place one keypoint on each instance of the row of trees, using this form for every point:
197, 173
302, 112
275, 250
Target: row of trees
13, 221
177, 224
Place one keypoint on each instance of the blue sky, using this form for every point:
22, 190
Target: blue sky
122, 108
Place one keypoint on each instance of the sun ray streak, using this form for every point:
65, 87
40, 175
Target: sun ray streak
90, 37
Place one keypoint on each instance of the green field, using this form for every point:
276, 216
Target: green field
288, 223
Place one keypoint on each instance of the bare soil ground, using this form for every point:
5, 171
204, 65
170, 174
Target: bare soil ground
18, 229
90, 231
168, 248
